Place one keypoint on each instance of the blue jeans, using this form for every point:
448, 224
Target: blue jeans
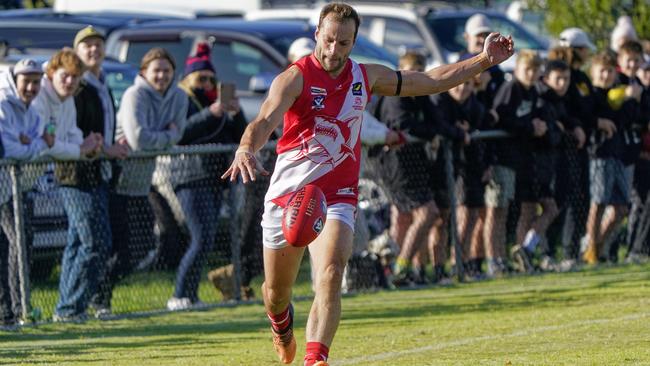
89, 242
201, 207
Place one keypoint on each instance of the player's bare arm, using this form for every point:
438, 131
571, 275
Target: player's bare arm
282, 94
385, 81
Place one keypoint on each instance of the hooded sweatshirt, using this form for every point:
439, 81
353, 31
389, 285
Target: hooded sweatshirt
63, 114
17, 118
143, 119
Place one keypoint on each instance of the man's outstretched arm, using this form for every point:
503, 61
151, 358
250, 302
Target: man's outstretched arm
385, 81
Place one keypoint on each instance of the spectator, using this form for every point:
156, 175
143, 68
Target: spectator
152, 117
477, 27
614, 108
515, 104
460, 107
23, 138
87, 182
195, 178
413, 208
575, 168
87, 236
638, 238
556, 83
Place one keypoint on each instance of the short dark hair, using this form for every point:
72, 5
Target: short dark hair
631, 47
555, 65
154, 54
340, 12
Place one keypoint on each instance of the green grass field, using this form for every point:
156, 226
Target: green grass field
594, 317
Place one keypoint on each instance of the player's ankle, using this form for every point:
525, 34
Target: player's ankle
315, 351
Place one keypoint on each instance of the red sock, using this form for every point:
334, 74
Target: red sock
283, 321
316, 352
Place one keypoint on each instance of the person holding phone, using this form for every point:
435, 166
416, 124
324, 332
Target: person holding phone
213, 116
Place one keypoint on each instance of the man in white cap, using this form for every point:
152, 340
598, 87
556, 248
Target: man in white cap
580, 98
24, 138
477, 28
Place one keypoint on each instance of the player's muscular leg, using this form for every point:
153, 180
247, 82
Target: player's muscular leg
280, 270
329, 254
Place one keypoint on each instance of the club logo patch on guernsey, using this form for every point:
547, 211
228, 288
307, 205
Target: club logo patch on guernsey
317, 91
318, 225
318, 102
357, 88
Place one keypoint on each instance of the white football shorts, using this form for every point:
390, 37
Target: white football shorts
272, 236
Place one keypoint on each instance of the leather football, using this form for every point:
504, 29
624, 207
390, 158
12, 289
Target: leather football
303, 218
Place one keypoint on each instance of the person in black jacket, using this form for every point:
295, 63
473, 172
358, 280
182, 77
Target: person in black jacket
408, 169
615, 109
523, 114
461, 108
575, 51
639, 220
210, 120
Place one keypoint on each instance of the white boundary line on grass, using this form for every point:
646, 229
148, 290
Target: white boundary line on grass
466, 341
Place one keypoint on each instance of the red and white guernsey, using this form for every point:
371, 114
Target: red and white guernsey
320, 142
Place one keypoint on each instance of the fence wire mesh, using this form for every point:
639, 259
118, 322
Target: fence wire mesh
165, 232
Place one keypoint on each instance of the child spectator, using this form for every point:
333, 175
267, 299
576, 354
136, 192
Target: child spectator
614, 108
461, 108
87, 236
537, 136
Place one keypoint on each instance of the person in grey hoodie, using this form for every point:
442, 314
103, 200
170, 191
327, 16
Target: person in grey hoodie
88, 237
24, 138
152, 116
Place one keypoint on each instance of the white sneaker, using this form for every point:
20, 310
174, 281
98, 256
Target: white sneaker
568, 265
178, 304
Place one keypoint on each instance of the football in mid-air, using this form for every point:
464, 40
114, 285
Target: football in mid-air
304, 216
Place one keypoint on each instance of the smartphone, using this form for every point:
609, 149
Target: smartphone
226, 92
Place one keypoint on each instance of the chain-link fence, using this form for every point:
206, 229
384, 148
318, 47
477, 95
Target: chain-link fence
164, 231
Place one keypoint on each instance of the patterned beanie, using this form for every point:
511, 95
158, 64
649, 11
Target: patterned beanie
200, 61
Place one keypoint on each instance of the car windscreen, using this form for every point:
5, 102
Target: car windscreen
237, 62
449, 32
118, 81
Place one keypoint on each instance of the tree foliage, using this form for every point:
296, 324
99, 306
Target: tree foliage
596, 17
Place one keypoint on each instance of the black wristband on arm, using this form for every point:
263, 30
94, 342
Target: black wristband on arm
398, 89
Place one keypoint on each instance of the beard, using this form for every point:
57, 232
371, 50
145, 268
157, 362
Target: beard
329, 64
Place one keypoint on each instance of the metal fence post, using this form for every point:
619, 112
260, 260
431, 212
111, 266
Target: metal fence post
21, 247
453, 228
235, 237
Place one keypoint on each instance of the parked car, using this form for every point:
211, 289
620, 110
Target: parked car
31, 31
435, 30
247, 53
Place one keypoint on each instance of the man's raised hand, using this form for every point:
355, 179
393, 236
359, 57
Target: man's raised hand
498, 48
